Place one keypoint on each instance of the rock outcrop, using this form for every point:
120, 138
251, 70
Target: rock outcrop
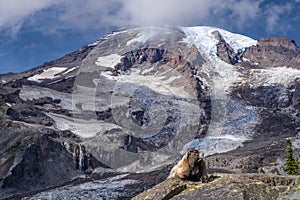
279, 42
274, 52
227, 187
224, 50
268, 53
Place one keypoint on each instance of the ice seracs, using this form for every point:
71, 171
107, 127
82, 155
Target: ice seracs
220, 77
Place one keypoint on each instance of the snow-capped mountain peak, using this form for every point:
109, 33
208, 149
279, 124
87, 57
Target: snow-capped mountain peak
205, 39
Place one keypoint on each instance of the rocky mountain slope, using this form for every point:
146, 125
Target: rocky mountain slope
122, 110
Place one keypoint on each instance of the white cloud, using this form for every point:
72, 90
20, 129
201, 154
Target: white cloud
245, 10
13, 12
157, 12
273, 15
89, 14
93, 15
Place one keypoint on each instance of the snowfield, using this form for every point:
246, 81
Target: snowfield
159, 82
274, 76
82, 128
109, 61
70, 70
50, 73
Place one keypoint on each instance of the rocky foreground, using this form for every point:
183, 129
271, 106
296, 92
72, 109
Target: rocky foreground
227, 186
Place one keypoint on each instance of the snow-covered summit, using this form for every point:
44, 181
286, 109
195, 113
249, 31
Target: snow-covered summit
204, 39
200, 35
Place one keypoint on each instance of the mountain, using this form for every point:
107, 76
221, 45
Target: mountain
109, 120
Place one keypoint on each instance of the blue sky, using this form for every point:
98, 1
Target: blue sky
36, 31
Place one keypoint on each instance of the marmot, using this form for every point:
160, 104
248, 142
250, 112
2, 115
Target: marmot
191, 167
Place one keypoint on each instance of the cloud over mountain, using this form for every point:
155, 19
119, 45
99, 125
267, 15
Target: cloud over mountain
95, 14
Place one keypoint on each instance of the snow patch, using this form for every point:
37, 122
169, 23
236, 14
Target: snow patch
31, 92
237, 41
105, 38
70, 70
273, 76
245, 59
146, 71
94, 43
109, 61
160, 83
203, 38
82, 128
47, 74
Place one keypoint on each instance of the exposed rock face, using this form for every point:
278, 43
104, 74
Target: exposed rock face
279, 42
224, 50
222, 186
36, 158
269, 52
274, 52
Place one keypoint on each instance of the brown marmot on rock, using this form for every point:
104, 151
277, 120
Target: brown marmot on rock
191, 167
